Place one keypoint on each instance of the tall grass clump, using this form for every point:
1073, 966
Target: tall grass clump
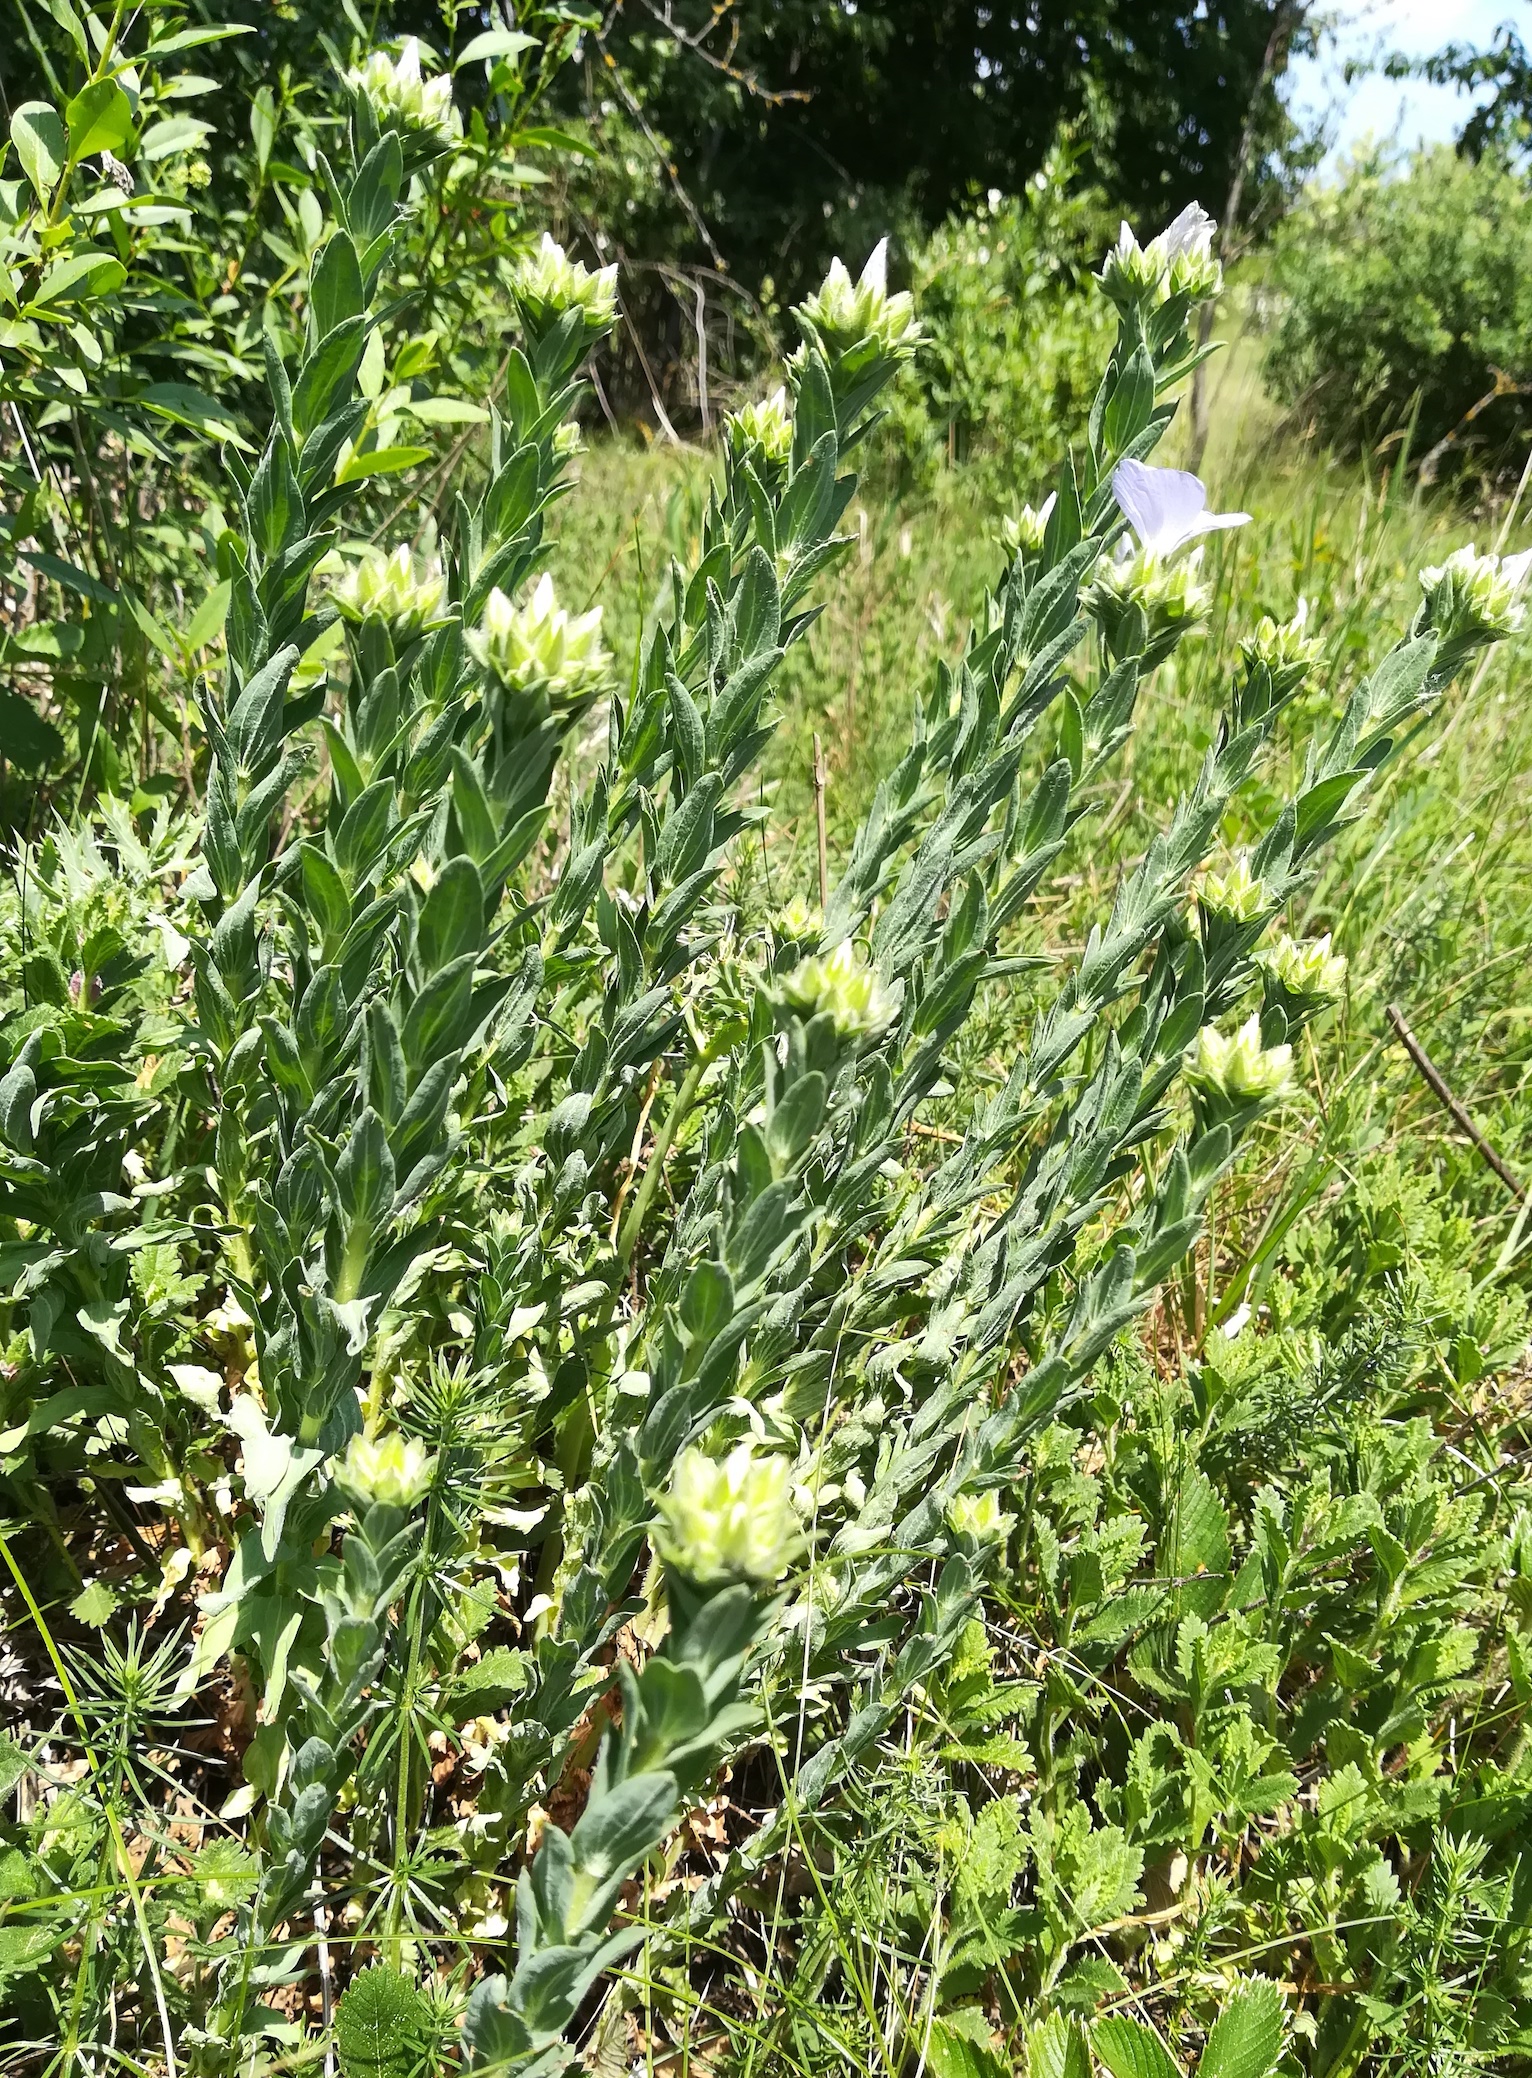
542, 1374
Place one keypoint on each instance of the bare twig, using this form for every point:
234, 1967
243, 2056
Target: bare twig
654, 389
1432, 1076
819, 823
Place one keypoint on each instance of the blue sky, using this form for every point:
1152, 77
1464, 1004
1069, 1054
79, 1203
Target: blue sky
1407, 111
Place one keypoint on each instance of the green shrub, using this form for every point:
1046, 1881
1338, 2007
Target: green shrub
1014, 336
1406, 295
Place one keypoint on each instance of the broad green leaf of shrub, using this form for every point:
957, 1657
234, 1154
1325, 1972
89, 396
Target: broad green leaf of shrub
959, 2047
100, 119
38, 135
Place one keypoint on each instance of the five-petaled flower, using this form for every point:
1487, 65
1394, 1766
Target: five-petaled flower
1166, 508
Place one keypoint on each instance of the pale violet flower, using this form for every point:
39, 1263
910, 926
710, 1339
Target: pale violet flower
1166, 508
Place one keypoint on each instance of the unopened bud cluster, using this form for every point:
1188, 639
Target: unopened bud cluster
729, 1520
547, 284
540, 648
842, 314
1167, 594
402, 97
978, 1520
1179, 262
1476, 599
1022, 533
1239, 1068
391, 1471
1307, 973
842, 986
762, 431
394, 588
1286, 648
1236, 895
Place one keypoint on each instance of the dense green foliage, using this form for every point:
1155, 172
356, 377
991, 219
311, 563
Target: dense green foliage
802, 128
1406, 300
1014, 340
600, 1459
161, 210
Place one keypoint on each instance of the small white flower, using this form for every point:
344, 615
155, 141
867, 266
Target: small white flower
1166, 508
1191, 233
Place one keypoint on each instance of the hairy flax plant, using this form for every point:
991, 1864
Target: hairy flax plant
604, 1389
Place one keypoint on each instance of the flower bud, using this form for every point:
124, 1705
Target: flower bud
547, 283
1187, 248
1132, 274
1022, 533
1308, 973
391, 1471
842, 985
798, 922
405, 595
762, 431
1238, 895
1473, 599
1239, 1068
401, 98
842, 315
540, 648
978, 1519
1286, 649
729, 1521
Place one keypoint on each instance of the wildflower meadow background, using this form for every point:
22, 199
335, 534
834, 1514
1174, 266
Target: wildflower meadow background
764, 1107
